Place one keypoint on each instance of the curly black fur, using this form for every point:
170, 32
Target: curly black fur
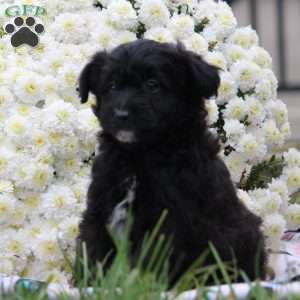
155, 92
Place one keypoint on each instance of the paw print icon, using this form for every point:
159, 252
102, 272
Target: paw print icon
24, 31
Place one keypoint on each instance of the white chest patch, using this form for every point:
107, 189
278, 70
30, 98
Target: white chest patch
118, 217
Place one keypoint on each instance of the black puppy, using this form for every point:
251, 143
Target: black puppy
156, 154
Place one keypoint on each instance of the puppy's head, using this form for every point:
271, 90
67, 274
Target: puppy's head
147, 90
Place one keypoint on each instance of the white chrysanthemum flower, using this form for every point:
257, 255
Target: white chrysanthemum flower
6, 265
59, 116
274, 226
49, 84
251, 147
3, 64
292, 178
104, 37
54, 60
87, 125
125, 36
16, 126
227, 89
255, 112
80, 187
14, 243
236, 109
279, 186
217, 59
245, 37
260, 56
21, 59
68, 148
263, 90
272, 133
68, 76
293, 216
234, 53
55, 7
28, 88
5, 47
19, 215
246, 74
205, 9
30, 199
47, 246
32, 175
182, 26
6, 186
69, 229
285, 130
7, 207
58, 201
258, 197
6, 98
255, 208
210, 34
24, 110
57, 277
46, 44
196, 43
10, 77
225, 21
154, 13
234, 130
6, 157
159, 34
268, 75
212, 110
121, 14
69, 28
236, 165
278, 110
38, 141
66, 168
244, 197
272, 203
292, 157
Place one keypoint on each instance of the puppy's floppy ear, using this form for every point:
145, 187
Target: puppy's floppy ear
205, 77
89, 79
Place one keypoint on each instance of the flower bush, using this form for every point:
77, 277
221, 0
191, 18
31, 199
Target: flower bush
48, 139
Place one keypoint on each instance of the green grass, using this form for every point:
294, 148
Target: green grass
148, 281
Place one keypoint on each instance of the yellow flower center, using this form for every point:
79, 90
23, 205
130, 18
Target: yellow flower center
3, 208
71, 78
69, 26
49, 247
17, 128
40, 177
246, 75
15, 247
155, 11
32, 201
39, 141
3, 163
60, 201
31, 88
55, 137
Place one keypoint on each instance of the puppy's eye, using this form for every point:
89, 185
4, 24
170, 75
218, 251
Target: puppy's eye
112, 85
152, 85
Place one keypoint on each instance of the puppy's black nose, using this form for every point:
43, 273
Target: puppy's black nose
121, 114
